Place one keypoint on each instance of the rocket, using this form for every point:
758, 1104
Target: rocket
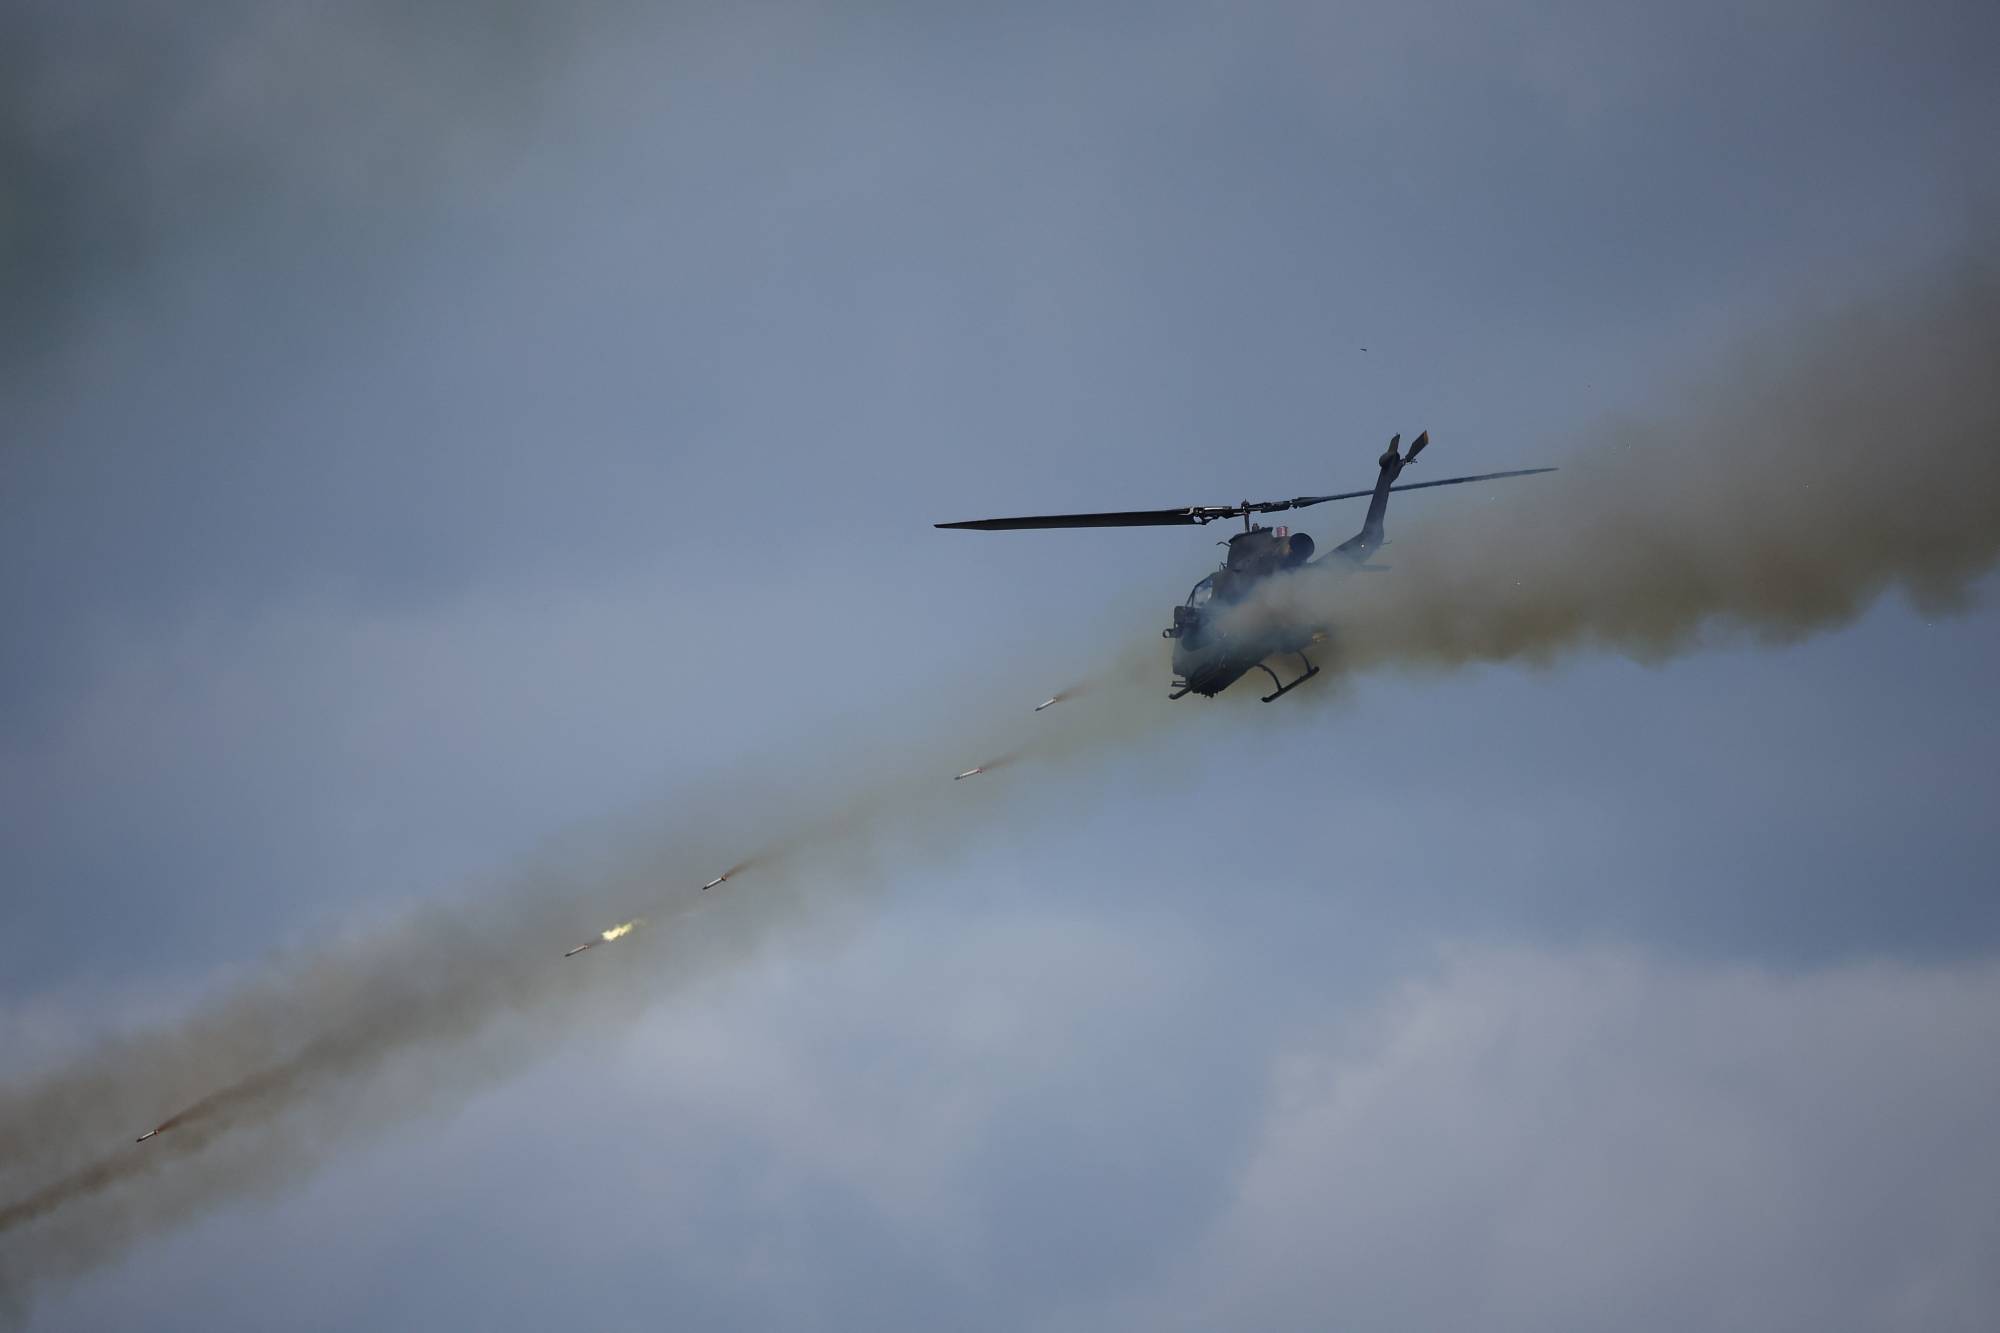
149, 1134
717, 880
580, 948
1000, 762
1053, 699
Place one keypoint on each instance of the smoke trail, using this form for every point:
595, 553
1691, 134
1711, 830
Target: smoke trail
258, 1086
196, 1125
1832, 460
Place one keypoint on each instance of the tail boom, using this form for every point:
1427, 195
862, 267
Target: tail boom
1364, 543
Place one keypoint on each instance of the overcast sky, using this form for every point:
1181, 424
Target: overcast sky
490, 458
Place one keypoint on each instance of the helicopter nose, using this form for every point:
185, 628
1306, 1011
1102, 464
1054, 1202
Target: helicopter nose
1190, 655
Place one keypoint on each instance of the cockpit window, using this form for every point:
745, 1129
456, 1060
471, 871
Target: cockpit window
1202, 592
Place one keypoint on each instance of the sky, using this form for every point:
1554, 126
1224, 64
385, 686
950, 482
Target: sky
469, 479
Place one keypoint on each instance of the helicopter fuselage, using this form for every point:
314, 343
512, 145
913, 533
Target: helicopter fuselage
1217, 641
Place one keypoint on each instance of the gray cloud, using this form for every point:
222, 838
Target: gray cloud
1059, 1118
365, 367
1646, 571
133, 143
1544, 1140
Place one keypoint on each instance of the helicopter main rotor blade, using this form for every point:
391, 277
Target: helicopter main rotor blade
1198, 514
1305, 500
1128, 518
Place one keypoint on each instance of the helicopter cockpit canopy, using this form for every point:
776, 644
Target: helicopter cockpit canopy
1203, 591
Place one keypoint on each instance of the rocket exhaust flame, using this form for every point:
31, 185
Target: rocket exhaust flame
617, 932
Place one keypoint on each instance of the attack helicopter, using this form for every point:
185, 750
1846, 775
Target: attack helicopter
1214, 648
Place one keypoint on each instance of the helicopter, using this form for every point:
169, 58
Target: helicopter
1213, 648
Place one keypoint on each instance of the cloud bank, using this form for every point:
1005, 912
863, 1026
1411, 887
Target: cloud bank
1547, 1140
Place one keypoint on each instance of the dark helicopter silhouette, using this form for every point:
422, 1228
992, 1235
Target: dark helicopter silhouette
1216, 642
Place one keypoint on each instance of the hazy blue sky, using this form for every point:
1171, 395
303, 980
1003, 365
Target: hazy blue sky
449, 456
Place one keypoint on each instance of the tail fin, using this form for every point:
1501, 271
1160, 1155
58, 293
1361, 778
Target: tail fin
1362, 544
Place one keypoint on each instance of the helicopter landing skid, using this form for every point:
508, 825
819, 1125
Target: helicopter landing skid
1181, 691
1282, 689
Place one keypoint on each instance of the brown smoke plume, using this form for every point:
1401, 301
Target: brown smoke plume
1829, 461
